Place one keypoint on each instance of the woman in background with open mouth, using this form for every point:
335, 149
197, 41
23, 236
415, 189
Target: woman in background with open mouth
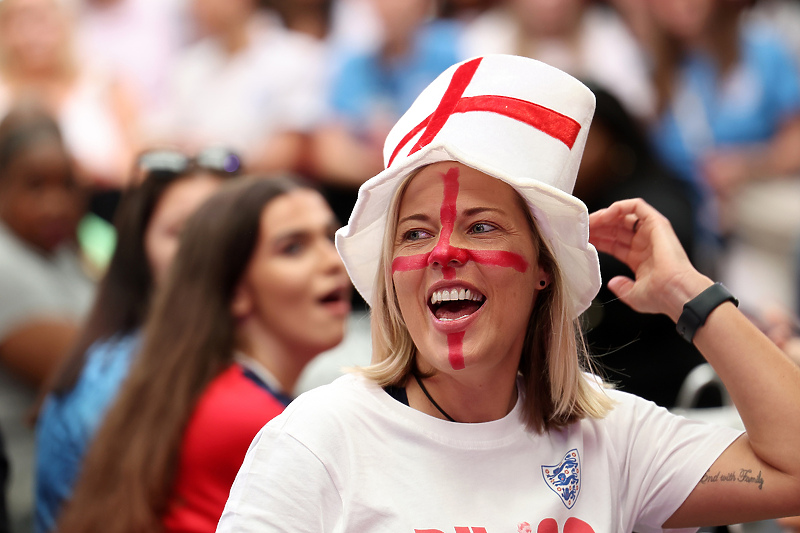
255, 292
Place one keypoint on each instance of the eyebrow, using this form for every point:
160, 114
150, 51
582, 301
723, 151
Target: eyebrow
478, 210
292, 234
472, 211
417, 216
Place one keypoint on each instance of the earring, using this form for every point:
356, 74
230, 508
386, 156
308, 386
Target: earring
542, 284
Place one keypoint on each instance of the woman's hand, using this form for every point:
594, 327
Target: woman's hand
635, 233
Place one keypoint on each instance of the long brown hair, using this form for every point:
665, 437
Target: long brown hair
130, 468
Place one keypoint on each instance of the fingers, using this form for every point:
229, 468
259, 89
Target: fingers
612, 230
628, 210
620, 286
622, 220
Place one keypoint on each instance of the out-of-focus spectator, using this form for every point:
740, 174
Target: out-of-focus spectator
96, 115
641, 352
257, 290
584, 38
311, 17
248, 83
149, 223
44, 289
783, 328
729, 100
373, 89
135, 41
343, 25
464, 10
783, 16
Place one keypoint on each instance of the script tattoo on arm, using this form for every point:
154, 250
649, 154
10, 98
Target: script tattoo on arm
744, 475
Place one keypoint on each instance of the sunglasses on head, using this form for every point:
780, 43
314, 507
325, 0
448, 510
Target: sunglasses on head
220, 160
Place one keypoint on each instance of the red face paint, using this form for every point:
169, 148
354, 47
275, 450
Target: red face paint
445, 255
455, 347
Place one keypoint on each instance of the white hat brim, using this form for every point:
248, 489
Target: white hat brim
562, 218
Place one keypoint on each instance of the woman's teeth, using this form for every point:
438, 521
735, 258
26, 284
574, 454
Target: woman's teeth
451, 295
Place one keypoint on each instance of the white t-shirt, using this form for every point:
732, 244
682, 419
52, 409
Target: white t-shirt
240, 101
348, 457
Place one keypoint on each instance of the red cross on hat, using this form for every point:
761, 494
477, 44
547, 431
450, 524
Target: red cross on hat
559, 126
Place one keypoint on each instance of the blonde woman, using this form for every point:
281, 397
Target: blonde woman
478, 414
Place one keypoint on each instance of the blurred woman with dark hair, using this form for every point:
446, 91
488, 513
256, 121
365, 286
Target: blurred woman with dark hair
256, 291
45, 289
43, 286
149, 222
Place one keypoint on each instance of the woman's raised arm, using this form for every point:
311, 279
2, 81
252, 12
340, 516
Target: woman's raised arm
758, 476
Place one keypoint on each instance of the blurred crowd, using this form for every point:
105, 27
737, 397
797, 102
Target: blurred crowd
120, 118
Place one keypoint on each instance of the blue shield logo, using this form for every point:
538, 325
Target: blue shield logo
564, 478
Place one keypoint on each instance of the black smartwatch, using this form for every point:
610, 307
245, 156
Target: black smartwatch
696, 311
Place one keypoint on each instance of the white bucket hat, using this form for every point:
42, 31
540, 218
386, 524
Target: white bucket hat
513, 118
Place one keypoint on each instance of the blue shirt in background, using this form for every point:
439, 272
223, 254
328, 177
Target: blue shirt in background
67, 424
367, 87
748, 106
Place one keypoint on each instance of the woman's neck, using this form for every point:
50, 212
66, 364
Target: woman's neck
235, 39
285, 363
464, 401
308, 21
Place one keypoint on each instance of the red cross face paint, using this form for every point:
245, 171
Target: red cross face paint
464, 268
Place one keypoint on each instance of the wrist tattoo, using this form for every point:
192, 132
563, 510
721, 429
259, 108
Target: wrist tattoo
744, 475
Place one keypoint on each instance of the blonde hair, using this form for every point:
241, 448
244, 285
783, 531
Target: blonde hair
554, 357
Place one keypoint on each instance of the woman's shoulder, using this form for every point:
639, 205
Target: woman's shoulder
345, 393
635, 419
236, 390
625, 408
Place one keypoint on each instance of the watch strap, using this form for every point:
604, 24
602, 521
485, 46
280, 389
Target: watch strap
696, 311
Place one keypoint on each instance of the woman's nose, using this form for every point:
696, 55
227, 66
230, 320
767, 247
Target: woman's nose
446, 255
330, 257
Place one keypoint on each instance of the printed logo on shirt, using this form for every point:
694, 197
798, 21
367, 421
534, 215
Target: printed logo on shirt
564, 478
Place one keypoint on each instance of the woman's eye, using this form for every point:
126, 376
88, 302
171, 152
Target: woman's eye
482, 227
416, 235
293, 248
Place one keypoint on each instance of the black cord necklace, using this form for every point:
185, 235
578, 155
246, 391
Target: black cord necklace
428, 394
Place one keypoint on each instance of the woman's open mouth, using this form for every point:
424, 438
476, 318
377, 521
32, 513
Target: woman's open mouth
455, 303
337, 300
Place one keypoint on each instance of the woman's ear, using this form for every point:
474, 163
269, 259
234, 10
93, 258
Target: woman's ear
544, 279
242, 303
